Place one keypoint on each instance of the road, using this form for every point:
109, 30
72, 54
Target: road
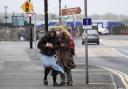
111, 53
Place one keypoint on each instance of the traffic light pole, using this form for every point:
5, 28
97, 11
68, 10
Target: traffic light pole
86, 44
46, 15
31, 32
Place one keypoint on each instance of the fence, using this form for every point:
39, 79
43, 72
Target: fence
14, 34
119, 31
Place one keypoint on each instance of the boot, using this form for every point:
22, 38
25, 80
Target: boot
54, 74
46, 71
63, 80
55, 84
69, 83
45, 82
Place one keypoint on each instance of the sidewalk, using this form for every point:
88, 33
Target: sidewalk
99, 78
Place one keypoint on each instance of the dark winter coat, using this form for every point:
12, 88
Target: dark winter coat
46, 50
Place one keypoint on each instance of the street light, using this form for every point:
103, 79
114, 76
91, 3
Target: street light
6, 17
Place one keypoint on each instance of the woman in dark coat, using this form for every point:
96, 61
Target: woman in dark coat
48, 45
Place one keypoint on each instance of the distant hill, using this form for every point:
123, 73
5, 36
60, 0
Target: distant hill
110, 16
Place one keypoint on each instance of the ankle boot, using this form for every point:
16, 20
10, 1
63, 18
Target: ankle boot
45, 82
55, 84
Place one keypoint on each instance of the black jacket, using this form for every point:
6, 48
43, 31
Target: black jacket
46, 50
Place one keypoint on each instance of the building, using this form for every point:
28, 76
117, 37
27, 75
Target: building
108, 24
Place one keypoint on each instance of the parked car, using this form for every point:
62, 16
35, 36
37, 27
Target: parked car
103, 31
93, 37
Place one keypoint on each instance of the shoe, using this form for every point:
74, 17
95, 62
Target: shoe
62, 84
55, 84
45, 82
69, 83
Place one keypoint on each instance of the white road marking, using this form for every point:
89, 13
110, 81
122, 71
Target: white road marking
114, 49
122, 50
101, 40
119, 53
123, 76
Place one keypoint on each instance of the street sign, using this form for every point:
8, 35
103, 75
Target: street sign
18, 21
87, 23
27, 7
71, 11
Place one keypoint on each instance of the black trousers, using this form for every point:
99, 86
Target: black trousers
54, 73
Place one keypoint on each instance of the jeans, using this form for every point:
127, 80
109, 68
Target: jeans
68, 76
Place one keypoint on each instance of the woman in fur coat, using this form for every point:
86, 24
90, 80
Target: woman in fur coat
64, 57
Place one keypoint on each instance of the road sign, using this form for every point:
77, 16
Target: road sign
71, 11
87, 23
18, 21
27, 7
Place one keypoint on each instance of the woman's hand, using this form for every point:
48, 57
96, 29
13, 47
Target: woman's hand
49, 45
62, 45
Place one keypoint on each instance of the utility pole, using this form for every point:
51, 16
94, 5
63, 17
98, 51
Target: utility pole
60, 13
46, 15
31, 32
86, 43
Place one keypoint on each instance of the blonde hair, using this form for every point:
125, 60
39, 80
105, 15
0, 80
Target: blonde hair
52, 29
63, 29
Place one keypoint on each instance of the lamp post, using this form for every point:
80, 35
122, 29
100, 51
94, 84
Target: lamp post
86, 43
60, 13
31, 32
46, 15
6, 17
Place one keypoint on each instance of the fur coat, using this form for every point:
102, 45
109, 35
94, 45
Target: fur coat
64, 56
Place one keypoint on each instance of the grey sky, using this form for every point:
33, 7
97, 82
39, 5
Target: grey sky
94, 6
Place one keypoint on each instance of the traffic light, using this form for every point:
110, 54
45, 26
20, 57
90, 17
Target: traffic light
27, 7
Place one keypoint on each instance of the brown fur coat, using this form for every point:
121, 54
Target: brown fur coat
64, 56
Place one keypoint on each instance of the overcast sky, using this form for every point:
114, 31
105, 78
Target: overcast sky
94, 6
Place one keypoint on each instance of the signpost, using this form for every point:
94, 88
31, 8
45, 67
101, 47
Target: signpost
27, 8
71, 11
87, 24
